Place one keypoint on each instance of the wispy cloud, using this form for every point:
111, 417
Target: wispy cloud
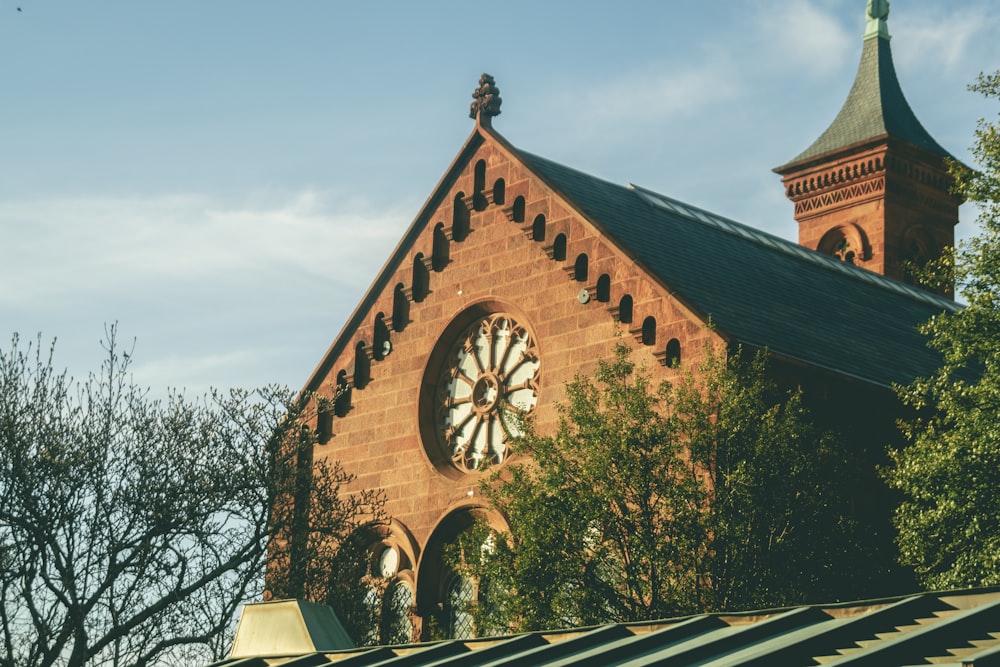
657, 94
940, 36
804, 38
63, 248
667, 96
184, 371
245, 285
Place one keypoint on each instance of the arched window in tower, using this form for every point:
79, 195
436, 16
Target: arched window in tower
847, 243
499, 191
580, 268
673, 358
397, 626
517, 211
625, 309
439, 252
478, 197
538, 228
381, 345
843, 251
461, 594
649, 331
604, 288
362, 365
400, 308
421, 278
342, 399
460, 219
559, 248
916, 253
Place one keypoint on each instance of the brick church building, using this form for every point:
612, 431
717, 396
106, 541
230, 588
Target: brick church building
518, 272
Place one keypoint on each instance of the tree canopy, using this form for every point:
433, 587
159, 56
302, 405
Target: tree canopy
132, 529
715, 492
949, 521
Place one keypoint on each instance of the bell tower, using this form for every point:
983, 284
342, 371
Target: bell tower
873, 189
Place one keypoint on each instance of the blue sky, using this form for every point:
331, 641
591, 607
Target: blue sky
224, 179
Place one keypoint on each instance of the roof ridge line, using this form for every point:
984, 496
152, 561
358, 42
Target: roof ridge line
761, 237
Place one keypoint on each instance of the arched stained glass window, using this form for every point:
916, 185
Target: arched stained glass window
370, 601
398, 628
461, 593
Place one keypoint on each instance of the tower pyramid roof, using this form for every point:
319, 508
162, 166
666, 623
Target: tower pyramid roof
875, 107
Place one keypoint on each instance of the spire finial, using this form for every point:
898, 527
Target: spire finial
878, 13
485, 101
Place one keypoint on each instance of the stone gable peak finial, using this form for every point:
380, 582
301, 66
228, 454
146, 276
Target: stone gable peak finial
877, 13
485, 101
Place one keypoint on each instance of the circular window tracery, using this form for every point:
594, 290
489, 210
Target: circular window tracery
488, 375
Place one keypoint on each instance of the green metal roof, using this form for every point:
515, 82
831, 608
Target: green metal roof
761, 290
950, 628
875, 108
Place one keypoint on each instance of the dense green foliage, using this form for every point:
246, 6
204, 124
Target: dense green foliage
132, 529
715, 492
949, 523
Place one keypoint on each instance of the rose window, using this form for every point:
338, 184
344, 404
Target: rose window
489, 377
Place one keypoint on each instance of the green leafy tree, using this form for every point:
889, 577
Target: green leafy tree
132, 529
778, 515
650, 501
949, 521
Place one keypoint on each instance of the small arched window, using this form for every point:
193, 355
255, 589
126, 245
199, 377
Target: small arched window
559, 248
604, 288
580, 268
324, 419
625, 309
649, 331
421, 278
342, 399
673, 353
400, 308
499, 191
362, 365
478, 197
381, 345
460, 219
538, 228
517, 211
439, 253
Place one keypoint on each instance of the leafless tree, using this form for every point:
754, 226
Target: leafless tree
132, 529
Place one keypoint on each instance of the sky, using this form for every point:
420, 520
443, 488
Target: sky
225, 179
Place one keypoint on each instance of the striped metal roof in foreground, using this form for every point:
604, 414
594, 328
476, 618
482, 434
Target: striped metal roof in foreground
957, 628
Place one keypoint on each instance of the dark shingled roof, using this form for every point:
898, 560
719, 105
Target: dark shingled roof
874, 108
761, 290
